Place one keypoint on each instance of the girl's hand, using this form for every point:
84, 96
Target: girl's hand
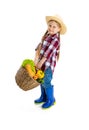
39, 64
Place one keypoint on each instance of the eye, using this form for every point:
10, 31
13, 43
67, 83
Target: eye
54, 26
50, 25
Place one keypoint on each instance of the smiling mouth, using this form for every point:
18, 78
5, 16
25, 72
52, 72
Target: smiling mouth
50, 31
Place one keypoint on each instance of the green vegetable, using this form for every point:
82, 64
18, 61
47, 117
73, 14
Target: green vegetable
40, 80
29, 61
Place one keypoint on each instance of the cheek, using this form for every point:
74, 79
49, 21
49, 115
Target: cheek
49, 28
58, 30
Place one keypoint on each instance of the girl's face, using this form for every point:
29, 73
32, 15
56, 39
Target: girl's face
53, 27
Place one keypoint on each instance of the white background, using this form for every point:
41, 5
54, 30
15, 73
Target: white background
22, 24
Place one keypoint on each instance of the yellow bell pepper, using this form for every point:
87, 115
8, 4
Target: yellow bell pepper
40, 74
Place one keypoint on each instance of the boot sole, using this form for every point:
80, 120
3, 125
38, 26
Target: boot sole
39, 102
45, 108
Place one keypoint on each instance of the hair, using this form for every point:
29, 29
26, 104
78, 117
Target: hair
43, 38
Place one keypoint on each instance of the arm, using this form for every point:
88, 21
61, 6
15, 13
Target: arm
36, 58
37, 54
39, 64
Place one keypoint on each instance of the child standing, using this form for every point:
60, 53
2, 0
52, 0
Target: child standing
47, 53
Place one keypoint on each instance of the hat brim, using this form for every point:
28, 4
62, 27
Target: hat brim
58, 20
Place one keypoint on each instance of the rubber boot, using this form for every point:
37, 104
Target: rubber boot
42, 97
50, 98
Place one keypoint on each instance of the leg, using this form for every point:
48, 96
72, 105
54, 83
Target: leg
42, 97
48, 89
50, 98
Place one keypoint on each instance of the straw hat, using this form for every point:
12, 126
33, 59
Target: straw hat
59, 20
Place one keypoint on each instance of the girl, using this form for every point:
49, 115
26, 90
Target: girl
47, 53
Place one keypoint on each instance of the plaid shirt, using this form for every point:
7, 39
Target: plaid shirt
49, 50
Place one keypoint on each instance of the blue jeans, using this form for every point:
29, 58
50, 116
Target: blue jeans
47, 78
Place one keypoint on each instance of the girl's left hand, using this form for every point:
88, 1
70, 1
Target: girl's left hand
41, 62
39, 65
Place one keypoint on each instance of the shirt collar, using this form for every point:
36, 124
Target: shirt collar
53, 36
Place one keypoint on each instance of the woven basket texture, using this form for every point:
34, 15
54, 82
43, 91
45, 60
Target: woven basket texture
24, 80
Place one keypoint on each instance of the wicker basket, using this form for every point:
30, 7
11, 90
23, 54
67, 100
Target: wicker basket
24, 81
